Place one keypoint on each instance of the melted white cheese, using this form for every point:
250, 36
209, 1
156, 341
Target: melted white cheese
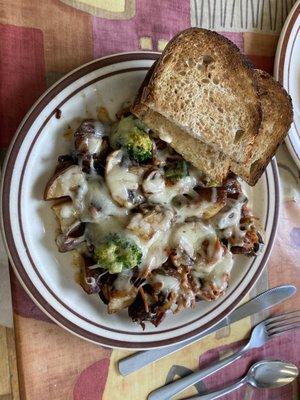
122, 283
192, 208
122, 180
96, 201
160, 193
189, 236
169, 283
72, 178
95, 232
217, 272
155, 251
67, 210
229, 217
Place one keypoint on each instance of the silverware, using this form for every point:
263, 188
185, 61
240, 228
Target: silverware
265, 374
260, 335
259, 303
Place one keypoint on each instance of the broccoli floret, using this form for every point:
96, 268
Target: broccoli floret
133, 135
176, 170
116, 253
138, 145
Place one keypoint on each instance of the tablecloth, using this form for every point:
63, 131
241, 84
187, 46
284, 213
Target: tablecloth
40, 41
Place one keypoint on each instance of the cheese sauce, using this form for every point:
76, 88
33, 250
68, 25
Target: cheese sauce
173, 221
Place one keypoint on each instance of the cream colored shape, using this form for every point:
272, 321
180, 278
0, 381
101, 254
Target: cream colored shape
107, 5
141, 383
146, 43
161, 44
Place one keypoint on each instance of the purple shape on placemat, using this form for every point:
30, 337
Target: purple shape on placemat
22, 303
156, 19
285, 347
236, 37
295, 237
22, 72
91, 382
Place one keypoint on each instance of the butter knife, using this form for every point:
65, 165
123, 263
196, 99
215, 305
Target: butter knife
259, 303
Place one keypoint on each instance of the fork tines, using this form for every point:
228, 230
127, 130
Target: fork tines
283, 322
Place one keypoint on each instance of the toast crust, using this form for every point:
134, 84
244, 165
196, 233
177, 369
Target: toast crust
277, 118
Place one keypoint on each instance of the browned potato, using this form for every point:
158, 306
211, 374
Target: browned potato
121, 300
62, 183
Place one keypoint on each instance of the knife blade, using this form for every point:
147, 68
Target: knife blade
259, 303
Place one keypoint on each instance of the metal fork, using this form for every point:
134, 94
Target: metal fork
260, 335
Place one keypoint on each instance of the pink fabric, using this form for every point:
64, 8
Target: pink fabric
91, 382
236, 37
156, 18
22, 72
22, 303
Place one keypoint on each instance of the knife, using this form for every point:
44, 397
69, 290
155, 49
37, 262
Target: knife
259, 303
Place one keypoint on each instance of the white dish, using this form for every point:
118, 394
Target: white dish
287, 72
29, 226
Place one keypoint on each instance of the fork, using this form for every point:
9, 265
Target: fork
260, 335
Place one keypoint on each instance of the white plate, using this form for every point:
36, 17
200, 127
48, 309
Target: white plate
287, 72
29, 225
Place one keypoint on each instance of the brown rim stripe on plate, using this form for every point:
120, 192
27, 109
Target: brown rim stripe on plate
12, 248
282, 56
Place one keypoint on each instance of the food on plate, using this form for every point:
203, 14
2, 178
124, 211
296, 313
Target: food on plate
213, 108
154, 202
152, 236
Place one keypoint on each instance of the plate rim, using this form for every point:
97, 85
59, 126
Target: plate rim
280, 56
20, 271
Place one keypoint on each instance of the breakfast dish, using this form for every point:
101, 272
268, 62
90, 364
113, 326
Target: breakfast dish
155, 223
152, 235
30, 226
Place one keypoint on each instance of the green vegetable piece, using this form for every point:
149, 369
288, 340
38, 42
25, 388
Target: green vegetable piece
139, 145
133, 135
176, 170
117, 253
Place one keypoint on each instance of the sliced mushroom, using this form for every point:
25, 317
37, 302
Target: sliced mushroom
63, 183
89, 135
123, 180
72, 238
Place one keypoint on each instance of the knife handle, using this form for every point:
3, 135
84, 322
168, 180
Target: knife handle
140, 359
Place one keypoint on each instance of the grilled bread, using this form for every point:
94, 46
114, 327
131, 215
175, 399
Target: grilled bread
277, 117
204, 85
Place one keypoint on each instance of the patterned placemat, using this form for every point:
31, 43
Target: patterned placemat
41, 41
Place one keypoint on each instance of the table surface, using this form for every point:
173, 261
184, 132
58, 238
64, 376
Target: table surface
41, 41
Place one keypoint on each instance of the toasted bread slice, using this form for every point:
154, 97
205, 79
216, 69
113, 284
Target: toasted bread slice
213, 164
204, 85
277, 112
277, 116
